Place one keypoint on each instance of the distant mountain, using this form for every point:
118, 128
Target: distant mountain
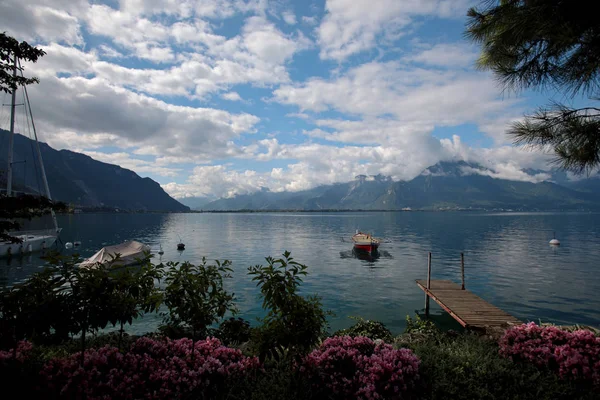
196, 203
446, 185
79, 179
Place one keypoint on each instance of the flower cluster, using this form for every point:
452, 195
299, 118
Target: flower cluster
573, 355
153, 369
23, 351
357, 367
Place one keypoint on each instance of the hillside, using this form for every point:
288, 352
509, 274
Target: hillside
446, 185
79, 179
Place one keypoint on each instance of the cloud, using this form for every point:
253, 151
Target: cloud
38, 20
232, 96
448, 55
125, 160
93, 106
289, 17
314, 164
411, 95
353, 26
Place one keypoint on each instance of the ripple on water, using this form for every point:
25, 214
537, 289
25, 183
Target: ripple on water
507, 258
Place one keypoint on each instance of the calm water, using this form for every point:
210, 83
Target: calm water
508, 259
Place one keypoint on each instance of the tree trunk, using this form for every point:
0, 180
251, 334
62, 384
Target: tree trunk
121, 336
83, 345
193, 343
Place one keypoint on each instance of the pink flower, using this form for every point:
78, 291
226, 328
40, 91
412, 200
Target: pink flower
355, 367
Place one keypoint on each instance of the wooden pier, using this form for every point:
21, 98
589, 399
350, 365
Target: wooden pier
468, 309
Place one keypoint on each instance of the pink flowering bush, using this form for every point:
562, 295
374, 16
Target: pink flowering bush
153, 369
573, 355
22, 354
356, 367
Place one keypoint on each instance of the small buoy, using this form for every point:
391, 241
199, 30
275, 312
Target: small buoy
161, 251
29, 248
555, 241
68, 245
76, 244
181, 246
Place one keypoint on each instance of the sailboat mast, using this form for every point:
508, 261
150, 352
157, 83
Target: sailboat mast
12, 133
39, 154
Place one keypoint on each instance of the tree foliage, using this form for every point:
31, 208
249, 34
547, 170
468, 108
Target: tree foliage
9, 47
196, 297
25, 206
546, 44
293, 322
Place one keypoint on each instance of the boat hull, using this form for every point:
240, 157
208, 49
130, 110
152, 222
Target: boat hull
369, 247
32, 243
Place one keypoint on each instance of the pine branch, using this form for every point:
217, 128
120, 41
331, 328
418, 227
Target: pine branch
573, 134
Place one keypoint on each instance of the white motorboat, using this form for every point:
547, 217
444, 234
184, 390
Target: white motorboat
130, 253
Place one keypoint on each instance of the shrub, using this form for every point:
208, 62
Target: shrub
374, 330
573, 355
467, 366
196, 297
234, 331
355, 367
294, 322
152, 369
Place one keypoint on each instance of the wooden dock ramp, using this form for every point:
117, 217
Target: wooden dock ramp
468, 309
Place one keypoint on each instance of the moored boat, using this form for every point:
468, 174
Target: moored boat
26, 242
365, 242
130, 252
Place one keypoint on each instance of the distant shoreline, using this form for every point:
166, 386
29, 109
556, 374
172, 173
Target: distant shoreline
250, 211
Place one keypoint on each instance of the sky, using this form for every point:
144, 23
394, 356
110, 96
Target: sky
224, 97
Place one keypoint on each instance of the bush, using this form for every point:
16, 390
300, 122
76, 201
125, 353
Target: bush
153, 369
573, 355
355, 367
234, 331
467, 366
294, 322
196, 297
374, 330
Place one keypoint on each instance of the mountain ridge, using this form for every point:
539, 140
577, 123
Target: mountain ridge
78, 179
444, 185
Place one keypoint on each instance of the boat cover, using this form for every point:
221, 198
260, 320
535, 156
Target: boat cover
129, 251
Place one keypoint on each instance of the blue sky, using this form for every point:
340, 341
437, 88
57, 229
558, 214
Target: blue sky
222, 97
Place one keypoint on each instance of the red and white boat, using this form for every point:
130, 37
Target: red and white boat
365, 242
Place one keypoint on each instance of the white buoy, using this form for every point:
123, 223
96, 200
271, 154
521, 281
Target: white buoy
68, 245
161, 251
555, 241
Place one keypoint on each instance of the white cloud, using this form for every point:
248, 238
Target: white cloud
94, 107
125, 160
312, 20
447, 55
289, 17
232, 96
353, 26
40, 20
411, 95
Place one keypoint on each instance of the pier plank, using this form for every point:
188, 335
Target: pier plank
468, 309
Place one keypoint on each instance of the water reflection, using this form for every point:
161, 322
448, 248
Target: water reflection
507, 259
363, 255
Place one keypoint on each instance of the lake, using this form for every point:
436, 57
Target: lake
508, 261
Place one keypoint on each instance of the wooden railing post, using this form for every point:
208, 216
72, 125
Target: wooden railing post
462, 269
428, 285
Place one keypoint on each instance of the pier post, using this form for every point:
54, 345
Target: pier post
428, 284
462, 269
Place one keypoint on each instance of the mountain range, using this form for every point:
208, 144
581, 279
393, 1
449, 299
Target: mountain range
80, 180
446, 185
